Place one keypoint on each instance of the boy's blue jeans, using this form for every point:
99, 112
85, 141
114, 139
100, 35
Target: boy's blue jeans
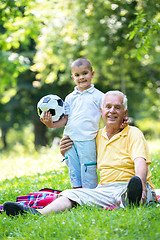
81, 161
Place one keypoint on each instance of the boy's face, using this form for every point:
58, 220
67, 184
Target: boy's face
82, 76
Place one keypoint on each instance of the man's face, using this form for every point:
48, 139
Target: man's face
113, 110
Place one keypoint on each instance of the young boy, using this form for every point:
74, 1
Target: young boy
81, 122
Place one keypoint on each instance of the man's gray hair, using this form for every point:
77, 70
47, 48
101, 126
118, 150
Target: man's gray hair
116, 92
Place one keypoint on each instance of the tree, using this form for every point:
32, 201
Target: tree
42, 38
96, 30
145, 32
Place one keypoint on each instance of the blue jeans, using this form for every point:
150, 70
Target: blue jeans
81, 163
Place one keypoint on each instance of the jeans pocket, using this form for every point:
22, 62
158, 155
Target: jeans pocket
86, 165
89, 175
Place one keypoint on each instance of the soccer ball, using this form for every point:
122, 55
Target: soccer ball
51, 103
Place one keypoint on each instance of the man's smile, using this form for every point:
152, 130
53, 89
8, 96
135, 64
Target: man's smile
112, 117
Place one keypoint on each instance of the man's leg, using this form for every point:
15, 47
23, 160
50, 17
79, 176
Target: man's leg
134, 191
59, 205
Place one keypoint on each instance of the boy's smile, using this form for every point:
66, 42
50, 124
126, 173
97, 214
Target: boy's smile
82, 76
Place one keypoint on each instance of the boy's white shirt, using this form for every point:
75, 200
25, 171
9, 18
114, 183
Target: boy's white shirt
83, 110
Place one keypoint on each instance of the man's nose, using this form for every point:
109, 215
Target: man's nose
112, 109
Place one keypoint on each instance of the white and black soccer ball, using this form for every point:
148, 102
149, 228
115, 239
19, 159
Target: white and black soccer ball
51, 103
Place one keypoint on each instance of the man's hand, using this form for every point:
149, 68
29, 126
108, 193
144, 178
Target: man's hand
65, 144
125, 122
144, 195
47, 119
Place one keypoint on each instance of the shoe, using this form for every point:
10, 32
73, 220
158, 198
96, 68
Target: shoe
134, 191
14, 209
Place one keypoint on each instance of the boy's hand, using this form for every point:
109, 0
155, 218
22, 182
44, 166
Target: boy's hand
47, 119
125, 122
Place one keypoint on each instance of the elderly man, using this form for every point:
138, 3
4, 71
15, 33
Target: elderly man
122, 160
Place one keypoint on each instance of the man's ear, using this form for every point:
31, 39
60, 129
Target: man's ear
93, 74
72, 77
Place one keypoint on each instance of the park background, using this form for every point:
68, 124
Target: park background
39, 39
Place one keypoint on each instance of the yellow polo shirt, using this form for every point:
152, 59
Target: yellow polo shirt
115, 157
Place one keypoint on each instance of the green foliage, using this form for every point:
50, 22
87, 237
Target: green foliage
145, 28
155, 168
150, 127
40, 38
18, 24
97, 30
43, 169
12, 64
18, 27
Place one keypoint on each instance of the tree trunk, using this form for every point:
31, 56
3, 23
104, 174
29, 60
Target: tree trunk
4, 135
40, 131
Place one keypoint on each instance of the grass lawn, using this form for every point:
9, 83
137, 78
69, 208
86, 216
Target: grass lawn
24, 173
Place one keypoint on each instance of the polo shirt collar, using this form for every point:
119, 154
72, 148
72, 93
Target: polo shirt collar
89, 90
124, 132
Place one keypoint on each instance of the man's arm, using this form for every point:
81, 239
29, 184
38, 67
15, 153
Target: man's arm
141, 172
47, 120
65, 144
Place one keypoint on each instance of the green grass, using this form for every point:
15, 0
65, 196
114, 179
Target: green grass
24, 173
